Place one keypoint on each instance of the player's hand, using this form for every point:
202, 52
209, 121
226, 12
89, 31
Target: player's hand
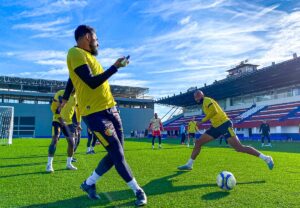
121, 62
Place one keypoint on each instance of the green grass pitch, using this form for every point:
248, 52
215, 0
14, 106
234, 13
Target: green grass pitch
24, 183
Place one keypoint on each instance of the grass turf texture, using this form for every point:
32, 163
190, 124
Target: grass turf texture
24, 183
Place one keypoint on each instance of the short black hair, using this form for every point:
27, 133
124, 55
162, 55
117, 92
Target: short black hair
81, 30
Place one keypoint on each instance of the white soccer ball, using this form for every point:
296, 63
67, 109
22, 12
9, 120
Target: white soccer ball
226, 180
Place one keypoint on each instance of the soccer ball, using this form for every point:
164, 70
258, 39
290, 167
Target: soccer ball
226, 180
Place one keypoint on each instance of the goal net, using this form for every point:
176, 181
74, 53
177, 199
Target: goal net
6, 124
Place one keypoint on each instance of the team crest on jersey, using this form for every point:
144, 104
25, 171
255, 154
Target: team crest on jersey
108, 132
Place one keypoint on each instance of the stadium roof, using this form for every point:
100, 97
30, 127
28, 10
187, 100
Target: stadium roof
269, 78
52, 86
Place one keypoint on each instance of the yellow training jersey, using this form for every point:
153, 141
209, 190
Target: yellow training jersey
89, 100
192, 127
67, 111
213, 112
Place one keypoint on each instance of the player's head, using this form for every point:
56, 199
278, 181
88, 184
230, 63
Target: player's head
155, 115
198, 96
86, 37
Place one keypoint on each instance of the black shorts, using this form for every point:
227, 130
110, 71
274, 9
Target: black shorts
192, 135
58, 127
106, 125
225, 130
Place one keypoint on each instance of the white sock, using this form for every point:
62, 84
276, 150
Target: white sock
190, 162
262, 156
69, 160
88, 149
134, 185
50, 160
92, 148
92, 179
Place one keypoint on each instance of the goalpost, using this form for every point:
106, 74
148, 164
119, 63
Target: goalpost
6, 124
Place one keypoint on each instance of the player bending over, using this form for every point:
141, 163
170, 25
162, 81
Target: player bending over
62, 121
221, 125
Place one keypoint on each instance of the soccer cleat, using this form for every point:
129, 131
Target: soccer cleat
90, 190
270, 162
141, 198
74, 159
49, 169
185, 167
71, 167
92, 152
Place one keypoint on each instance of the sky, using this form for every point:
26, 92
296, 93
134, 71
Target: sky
173, 44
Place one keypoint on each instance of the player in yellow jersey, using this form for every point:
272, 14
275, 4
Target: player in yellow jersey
62, 121
192, 129
221, 125
97, 107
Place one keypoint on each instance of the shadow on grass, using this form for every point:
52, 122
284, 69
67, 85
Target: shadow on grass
215, 195
30, 156
155, 187
29, 164
34, 173
221, 194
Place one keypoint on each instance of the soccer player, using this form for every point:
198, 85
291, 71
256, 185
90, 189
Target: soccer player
156, 127
92, 139
78, 129
221, 125
265, 133
62, 121
182, 132
97, 107
192, 129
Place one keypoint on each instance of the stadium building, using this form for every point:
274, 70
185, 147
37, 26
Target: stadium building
249, 96
31, 100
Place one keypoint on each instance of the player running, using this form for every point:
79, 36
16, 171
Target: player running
156, 127
97, 107
192, 129
62, 121
221, 125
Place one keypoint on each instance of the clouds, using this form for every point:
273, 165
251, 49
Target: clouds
53, 7
174, 44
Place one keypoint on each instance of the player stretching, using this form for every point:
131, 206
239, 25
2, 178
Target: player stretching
62, 121
97, 107
156, 126
221, 125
